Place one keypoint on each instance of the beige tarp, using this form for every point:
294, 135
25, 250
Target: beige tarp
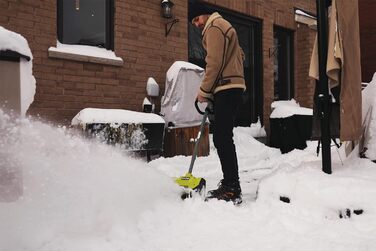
343, 65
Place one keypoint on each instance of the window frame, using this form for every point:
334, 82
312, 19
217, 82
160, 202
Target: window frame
109, 27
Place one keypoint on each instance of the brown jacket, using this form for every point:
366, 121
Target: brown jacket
224, 60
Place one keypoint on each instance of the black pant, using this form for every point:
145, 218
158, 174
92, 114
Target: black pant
226, 103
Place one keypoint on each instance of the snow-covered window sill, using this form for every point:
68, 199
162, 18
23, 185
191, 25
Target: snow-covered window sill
85, 53
305, 18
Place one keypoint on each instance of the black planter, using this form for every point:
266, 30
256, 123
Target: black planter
291, 132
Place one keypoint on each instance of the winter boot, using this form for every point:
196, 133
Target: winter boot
227, 192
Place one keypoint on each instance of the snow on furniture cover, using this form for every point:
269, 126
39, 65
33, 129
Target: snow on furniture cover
129, 129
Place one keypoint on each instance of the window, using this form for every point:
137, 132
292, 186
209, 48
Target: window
86, 22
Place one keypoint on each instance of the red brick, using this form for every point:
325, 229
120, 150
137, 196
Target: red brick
85, 86
367, 26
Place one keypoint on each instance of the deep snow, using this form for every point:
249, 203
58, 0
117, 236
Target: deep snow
81, 195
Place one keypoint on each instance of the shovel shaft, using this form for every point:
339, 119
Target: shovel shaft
195, 151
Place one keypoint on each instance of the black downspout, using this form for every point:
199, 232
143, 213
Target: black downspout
323, 93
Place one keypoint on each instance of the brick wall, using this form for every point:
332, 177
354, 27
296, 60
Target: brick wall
304, 85
64, 87
367, 23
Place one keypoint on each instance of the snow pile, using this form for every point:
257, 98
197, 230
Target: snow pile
256, 130
311, 221
122, 128
369, 109
114, 116
75, 192
79, 195
320, 195
13, 41
288, 108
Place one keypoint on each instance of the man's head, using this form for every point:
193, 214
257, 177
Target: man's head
198, 13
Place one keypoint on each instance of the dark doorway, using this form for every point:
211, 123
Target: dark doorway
250, 39
283, 64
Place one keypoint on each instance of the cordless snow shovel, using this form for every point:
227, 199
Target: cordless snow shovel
188, 181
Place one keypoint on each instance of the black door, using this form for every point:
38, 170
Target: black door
249, 34
283, 64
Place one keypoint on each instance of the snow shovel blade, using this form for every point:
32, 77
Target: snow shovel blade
191, 183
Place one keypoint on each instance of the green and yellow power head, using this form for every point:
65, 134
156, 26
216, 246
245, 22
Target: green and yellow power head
191, 183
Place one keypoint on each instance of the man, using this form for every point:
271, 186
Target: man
223, 81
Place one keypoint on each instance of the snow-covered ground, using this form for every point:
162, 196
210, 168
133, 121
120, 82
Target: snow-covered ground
81, 195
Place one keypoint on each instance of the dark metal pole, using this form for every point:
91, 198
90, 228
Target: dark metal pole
323, 94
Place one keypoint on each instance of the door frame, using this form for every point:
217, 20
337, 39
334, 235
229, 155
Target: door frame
257, 96
291, 33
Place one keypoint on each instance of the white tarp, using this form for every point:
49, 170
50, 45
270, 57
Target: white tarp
183, 80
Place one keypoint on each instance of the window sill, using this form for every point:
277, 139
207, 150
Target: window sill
85, 53
304, 18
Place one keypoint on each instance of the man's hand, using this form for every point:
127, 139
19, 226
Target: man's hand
201, 99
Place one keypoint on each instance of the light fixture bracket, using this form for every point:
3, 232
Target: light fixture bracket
169, 25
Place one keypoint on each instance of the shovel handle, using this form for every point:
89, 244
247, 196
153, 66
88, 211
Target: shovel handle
209, 107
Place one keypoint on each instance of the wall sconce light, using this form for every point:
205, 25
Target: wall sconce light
167, 13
